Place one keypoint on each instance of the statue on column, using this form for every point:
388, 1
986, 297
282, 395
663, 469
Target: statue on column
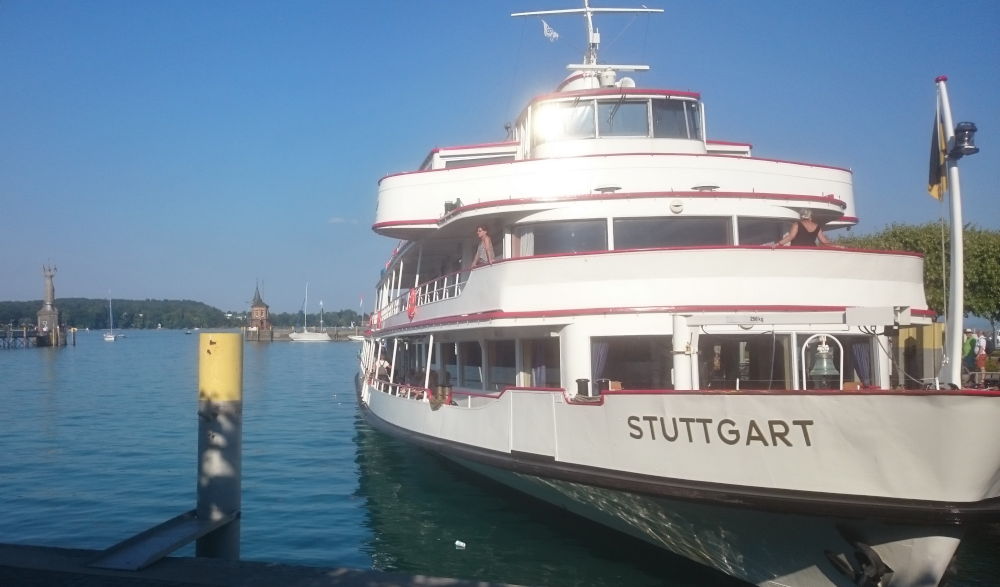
48, 316
50, 288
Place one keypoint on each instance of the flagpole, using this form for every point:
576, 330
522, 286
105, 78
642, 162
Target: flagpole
956, 302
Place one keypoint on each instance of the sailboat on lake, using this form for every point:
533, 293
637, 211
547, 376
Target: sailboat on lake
306, 336
110, 335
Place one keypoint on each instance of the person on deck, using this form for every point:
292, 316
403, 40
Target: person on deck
981, 358
805, 233
484, 253
969, 355
382, 368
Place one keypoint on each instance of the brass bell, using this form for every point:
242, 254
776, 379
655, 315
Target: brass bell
823, 371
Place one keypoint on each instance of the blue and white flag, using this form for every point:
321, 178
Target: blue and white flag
549, 32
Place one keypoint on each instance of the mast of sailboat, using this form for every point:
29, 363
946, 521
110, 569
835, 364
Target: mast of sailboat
956, 148
593, 35
305, 309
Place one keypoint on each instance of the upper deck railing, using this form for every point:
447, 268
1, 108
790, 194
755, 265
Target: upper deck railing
445, 287
716, 276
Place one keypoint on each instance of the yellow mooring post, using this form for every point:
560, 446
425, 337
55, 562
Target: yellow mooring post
220, 441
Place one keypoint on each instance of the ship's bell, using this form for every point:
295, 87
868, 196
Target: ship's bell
823, 366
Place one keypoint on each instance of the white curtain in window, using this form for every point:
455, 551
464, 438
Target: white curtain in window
527, 243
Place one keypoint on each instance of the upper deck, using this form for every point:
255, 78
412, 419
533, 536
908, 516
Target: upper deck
602, 140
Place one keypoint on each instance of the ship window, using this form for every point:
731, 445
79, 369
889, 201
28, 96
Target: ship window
758, 361
645, 233
470, 357
563, 237
449, 358
759, 231
622, 119
634, 362
502, 369
676, 119
472, 161
564, 121
541, 361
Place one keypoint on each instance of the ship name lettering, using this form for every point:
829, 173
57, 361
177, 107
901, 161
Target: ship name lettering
692, 430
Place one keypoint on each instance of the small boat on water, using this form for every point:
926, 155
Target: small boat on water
306, 335
640, 352
109, 335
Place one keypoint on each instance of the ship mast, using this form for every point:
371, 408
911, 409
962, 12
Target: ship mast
593, 35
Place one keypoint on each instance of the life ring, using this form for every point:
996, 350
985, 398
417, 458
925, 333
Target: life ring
411, 304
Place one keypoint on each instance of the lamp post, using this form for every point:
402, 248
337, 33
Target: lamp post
960, 138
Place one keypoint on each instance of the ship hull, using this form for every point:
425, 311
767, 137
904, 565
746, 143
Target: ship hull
761, 547
764, 535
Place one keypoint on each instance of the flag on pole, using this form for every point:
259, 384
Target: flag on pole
937, 181
549, 32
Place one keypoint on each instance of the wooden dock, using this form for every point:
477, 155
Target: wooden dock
39, 566
25, 337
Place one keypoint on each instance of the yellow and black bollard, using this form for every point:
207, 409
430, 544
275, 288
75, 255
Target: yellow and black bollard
220, 441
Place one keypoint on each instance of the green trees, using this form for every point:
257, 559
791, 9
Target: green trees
89, 313
982, 264
332, 318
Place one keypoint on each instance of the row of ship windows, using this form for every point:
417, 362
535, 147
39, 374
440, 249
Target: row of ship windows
590, 119
643, 233
632, 362
587, 119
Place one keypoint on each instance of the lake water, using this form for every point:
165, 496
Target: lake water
99, 442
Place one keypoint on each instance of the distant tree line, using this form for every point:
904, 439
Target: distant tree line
91, 313
334, 318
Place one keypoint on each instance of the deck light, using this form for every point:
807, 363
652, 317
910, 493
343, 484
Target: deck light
965, 133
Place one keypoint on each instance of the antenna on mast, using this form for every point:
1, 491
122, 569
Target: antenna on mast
593, 35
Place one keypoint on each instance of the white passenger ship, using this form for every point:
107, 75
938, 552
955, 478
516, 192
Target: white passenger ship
640, 352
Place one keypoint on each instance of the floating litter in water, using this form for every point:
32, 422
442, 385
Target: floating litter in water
459, 545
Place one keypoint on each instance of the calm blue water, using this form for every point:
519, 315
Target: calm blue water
99, 442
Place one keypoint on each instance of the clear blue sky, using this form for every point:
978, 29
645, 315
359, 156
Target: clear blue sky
186, 149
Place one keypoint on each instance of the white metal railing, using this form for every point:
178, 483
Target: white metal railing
400, 389
445, 287
442, 288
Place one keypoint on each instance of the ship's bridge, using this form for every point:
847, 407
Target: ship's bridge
616, 119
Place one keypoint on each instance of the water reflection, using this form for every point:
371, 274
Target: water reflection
976, 563
418, 505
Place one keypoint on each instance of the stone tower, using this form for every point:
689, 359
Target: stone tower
260, 315
48, 316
